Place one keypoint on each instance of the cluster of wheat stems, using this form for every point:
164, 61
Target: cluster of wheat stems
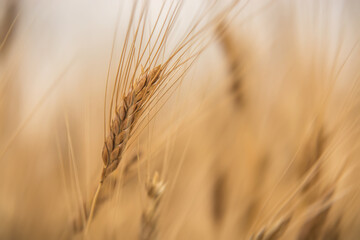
194, 125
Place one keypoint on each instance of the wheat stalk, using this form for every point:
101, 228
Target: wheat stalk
107, 189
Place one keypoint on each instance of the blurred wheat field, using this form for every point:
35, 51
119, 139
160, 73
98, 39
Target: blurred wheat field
179, 119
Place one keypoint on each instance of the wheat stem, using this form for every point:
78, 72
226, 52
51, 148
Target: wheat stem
92, 209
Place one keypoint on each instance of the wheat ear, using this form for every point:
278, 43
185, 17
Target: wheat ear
314, 223
234, 62
154, 190
125, 117
275, 232
8, 24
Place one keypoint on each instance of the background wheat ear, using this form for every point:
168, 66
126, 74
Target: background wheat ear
275, 232
149, 228
313, 225
230, 47
7, 25
219, 197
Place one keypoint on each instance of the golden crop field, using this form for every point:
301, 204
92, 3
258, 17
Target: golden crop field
180, 119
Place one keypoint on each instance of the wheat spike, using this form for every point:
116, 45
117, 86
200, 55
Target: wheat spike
154, 190
125, 118
227, 42
275, 232
126, 115
314, 224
